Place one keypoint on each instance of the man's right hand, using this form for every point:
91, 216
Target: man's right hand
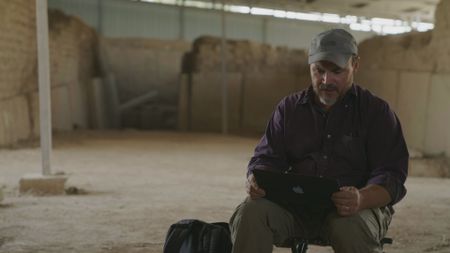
253, 189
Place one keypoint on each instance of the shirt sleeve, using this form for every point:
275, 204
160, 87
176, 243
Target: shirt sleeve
270, 153
387, 153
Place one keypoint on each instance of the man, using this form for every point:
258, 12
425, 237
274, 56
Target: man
333, 129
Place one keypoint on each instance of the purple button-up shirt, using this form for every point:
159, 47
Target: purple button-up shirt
359, 141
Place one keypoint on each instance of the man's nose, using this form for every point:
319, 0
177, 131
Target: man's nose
325, 77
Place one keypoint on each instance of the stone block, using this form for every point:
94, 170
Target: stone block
428, 168
412, 104
412, 51
61, 112
437, 135
262, 92
42, 185
34, 114
371, 59
418, 52
442, 17
441, 53
383, 83
99, 112
392, 52
145, 65
17, 47
14, 120
184, 103
206, 101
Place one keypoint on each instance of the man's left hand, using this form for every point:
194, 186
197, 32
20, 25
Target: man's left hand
347, 200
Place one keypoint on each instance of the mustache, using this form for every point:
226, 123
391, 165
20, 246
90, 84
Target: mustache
328, 86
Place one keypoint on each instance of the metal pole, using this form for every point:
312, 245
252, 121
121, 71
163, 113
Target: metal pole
181, 21
264, 31
224, 75
100, 17
44, 84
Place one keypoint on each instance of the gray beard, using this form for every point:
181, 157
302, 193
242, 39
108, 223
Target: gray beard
327, 101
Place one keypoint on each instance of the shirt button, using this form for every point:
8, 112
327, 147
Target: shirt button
328, 136
325, 157
346, 106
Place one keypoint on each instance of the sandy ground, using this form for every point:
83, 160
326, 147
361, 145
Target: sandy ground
138, 183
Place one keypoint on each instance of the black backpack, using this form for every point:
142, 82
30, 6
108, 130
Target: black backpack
195, 236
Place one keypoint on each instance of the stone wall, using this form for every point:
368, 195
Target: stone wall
17, 71
412, 72
74, 62
139, 66
72, 46
258, 77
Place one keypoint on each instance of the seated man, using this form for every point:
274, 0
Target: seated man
333, 129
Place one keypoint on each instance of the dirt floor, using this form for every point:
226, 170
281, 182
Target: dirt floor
138, 183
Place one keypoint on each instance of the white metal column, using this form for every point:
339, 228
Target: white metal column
44, 84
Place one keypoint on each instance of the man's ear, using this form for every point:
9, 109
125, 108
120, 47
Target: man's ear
355, 62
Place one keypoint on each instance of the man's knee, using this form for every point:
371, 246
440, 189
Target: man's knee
343, 229
351, 234
250, 210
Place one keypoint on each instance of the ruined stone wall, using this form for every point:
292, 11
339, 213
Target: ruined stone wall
17, 69
139, 66
70, 70
258, 77
74, 61
412, 72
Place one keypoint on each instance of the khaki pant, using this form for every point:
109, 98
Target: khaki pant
257, 225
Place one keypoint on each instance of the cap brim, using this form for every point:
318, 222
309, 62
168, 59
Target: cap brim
338, 59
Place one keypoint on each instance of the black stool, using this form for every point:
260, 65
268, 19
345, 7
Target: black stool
301, 245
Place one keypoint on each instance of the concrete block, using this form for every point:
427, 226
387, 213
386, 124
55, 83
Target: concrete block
42, 185
412, 103
383, 83
437, 139
206, 101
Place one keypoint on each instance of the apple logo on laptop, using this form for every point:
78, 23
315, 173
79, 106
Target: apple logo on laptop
298, 189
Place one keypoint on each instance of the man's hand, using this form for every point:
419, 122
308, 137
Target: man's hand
253, 189
347, 200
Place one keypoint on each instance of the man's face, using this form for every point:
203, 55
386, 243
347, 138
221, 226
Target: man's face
331, 82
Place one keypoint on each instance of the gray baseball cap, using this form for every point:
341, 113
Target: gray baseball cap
335, 45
